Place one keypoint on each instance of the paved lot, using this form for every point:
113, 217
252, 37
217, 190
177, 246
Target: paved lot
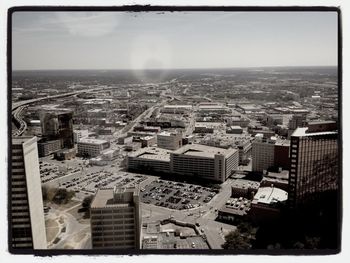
84, 180
175, 195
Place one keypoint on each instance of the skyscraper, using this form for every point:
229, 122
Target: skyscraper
27, 224
58, 126
314, 161
116, 219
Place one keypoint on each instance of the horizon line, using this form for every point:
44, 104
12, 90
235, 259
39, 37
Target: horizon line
192, 68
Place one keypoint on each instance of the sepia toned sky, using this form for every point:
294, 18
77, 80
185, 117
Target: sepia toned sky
155, 40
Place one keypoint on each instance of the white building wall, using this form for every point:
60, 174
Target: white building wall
35, 198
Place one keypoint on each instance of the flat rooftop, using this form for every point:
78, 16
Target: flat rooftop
152, 153
166, 133
22, 139
168, 240
270, 195
282, 142
302, 132
92, 141
105, 198
284, 174
241, 183
177, 106
202, 150
236, 206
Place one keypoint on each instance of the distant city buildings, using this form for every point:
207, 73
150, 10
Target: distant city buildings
116, 219
314, 161
27, 224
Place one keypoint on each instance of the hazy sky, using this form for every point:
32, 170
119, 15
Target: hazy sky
119, 40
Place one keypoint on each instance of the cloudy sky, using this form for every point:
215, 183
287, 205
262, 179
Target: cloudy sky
119, 40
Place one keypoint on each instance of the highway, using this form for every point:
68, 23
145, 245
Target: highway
18, 107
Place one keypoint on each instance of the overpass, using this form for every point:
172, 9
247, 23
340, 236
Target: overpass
19, 106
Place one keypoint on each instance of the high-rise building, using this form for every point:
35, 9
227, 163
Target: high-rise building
314, 161
58, 126
263, 153
116, 219
27, 224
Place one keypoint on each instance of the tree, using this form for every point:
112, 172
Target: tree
86, 205
48, 193
63, 196
242, 238
87, 201
235, 240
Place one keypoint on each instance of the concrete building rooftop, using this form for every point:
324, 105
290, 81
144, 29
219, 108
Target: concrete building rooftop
92, 141
236, 206
202, 150
302, 132
178, 106
241, 183
284, 174
22, 139
167, 133
152, 153
281, 142
105, 197
270, 195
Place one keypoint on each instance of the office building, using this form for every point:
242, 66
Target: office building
244, 188
169, 140
204, 162
46, 148
234, 130
116, 219
79, 134
27, 224
281, 159
58, 125
91, 147
314, 161
263, 153
297, 120
150, 159
245, 151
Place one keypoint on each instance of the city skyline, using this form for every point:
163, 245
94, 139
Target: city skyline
154, 40
184, 130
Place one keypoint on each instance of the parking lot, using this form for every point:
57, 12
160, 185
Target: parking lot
176, 195
84, 181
